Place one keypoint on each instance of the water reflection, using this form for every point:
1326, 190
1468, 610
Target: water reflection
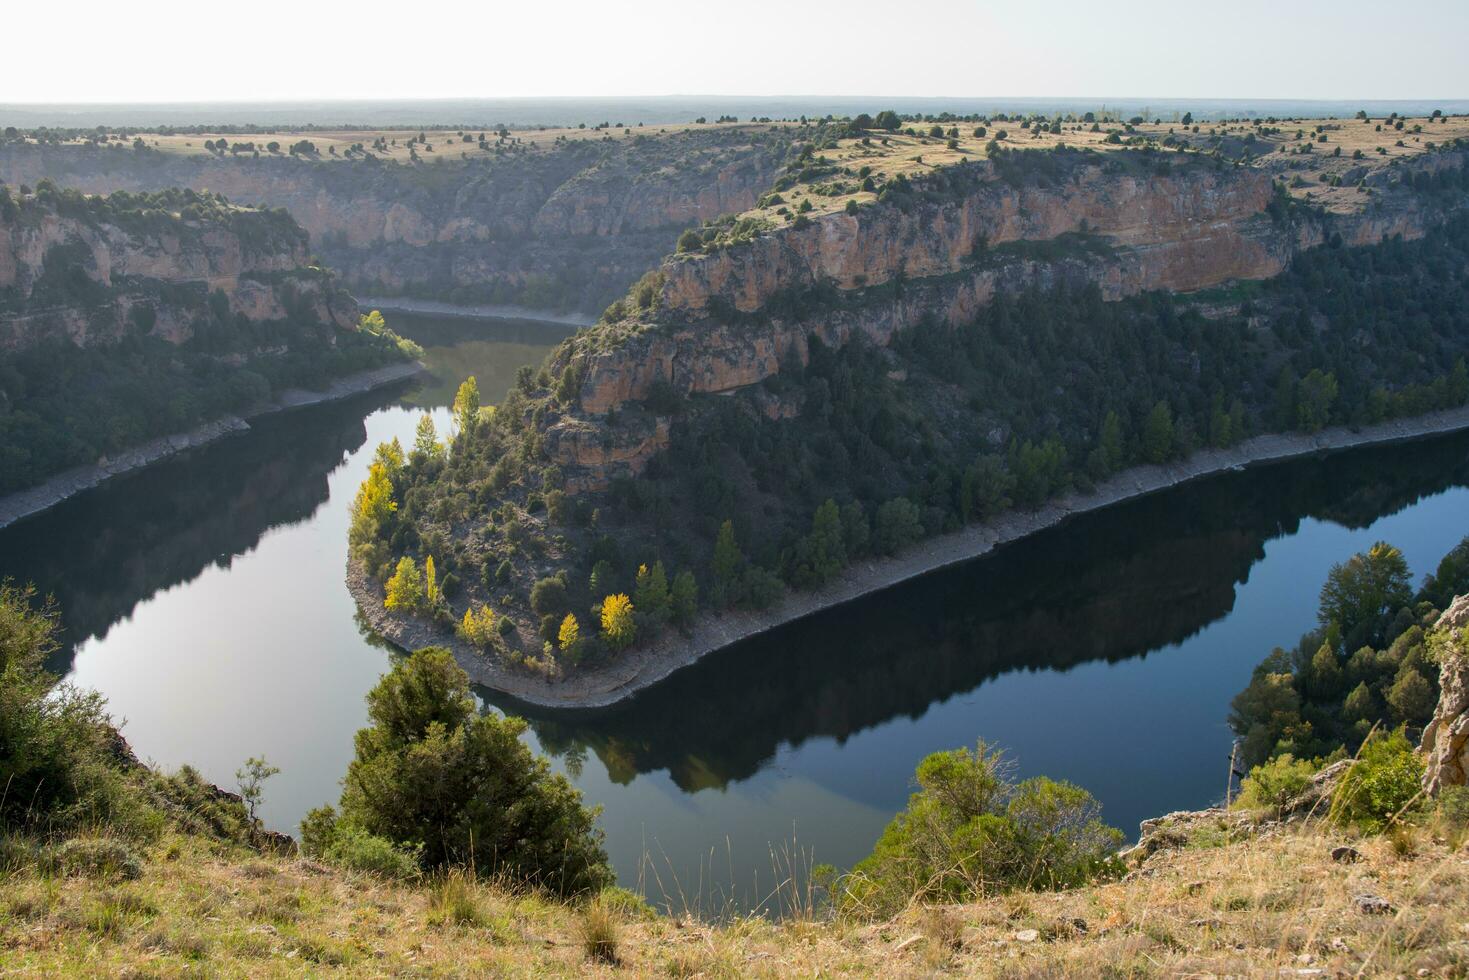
102, 553
1107, 587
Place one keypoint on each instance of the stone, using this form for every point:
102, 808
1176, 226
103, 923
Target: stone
1369, 904
1345, 855
1028, 935
1445, 742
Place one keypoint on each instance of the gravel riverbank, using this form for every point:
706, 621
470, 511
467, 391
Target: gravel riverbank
644, 666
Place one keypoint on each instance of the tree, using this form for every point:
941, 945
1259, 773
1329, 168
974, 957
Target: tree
1326, 676
479, 628
898, 525
1158, 433
651, 596
684, 598
1411, 697
373, 508
426, 445
430, 770
466, 405
548, 596
432, 595
405, 588
1363, 592
618, 626
690, 241
568, 637
888, 120
1112, 442
251, 779
728, 563
1315, 395
985, 488
1361, 704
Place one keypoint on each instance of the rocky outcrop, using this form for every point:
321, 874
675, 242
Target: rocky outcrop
1446, 739
569, 226
79, 269
731, 318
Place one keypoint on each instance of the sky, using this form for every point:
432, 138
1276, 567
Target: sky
215, 50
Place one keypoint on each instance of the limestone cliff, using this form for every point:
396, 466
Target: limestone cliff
729, 318
89, 270
566, 227
1446, 738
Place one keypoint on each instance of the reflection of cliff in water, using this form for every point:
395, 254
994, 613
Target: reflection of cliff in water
1106, 586
105, 551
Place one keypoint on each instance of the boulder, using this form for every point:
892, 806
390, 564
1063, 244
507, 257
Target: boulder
1446, 738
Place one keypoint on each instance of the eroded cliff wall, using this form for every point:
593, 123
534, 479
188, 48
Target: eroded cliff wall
729, 319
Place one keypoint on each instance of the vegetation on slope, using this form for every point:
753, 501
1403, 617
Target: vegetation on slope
864, 451
109, 867
1371, 665
64, 403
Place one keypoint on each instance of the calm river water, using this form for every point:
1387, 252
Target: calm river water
204, 598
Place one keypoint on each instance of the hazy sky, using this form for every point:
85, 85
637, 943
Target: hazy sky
201, 50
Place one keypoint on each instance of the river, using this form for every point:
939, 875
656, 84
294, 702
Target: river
204, 597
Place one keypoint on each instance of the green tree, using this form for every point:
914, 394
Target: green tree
1362, 593
898, 526
684, 598
728, 566
985, 488
1361, 705
1158, 433
651, 595
1412, 697
426, 445
1315, 396
1112, 442
430, 770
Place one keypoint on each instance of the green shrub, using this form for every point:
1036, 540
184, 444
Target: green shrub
98, 857
1273, 784
1384, 781
970, 831
430, 768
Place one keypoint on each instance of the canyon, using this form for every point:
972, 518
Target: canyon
562, 226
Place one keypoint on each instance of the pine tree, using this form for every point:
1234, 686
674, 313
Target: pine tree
728, 563
684, 598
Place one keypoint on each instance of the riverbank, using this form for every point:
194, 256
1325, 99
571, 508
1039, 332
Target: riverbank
643, 667
68, 483
404, 304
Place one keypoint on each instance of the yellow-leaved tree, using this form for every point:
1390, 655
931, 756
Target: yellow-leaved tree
618, 626
432, 594
405, 588
569, 636
478, 627
466, 405
374, 505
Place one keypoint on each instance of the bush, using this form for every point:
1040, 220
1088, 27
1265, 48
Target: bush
1275, 783
60, 761
1382, 783
970, 831
431, 770
99, 857
339, 843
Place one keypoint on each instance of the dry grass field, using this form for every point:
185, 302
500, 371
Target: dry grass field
1273, 904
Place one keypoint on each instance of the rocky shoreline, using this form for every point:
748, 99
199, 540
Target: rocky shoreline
404, 304
646, 666
68, 483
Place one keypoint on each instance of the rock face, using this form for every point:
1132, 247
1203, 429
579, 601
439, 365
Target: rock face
729, 319
569, 227
84, 272
1446, 739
